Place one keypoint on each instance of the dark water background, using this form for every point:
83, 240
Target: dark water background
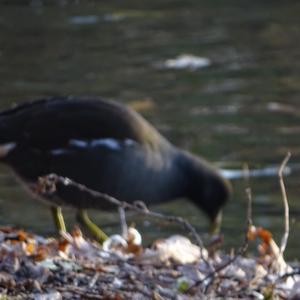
242, 108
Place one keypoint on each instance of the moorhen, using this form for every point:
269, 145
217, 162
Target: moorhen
107, 147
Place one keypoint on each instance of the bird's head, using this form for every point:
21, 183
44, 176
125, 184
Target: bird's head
207, 189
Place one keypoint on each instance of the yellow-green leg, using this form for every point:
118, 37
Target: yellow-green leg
58, 219
216, 224
84, 219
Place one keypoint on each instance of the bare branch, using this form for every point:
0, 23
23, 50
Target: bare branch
50, 185
248, 195
124, 227
285, 203
241, 251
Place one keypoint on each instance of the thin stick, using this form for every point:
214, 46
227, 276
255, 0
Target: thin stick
249, 207
290, 274
94, 280
124, 227
249, 195
241, 251
50, 184
285, 203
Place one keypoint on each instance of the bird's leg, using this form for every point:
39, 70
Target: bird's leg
84, 219
216, 224
58, 219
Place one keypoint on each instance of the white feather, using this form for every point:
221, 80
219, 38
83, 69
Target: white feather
108, 142
6, 148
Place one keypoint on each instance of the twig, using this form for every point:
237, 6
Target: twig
94, 280
213, 274
124, 227
285, 203
248, 192
73, 290
49, 185
290, 274
249, 207
243, 248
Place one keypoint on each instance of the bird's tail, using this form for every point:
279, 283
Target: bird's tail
8, 133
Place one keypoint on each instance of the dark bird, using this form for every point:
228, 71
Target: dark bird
108, 148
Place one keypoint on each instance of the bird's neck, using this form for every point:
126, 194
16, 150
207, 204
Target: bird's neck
203, 184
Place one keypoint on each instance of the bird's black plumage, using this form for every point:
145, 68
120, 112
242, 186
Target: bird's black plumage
107, 147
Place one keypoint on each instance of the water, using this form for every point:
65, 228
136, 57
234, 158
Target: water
240, 107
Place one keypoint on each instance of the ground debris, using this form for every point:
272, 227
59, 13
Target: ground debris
33, 267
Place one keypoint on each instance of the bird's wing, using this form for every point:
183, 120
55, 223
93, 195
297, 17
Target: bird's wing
52, 123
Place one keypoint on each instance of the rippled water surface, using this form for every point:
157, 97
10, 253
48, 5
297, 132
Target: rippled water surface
238, 103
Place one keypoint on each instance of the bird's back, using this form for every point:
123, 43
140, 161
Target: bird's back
52, 122
106, 147
99, 143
